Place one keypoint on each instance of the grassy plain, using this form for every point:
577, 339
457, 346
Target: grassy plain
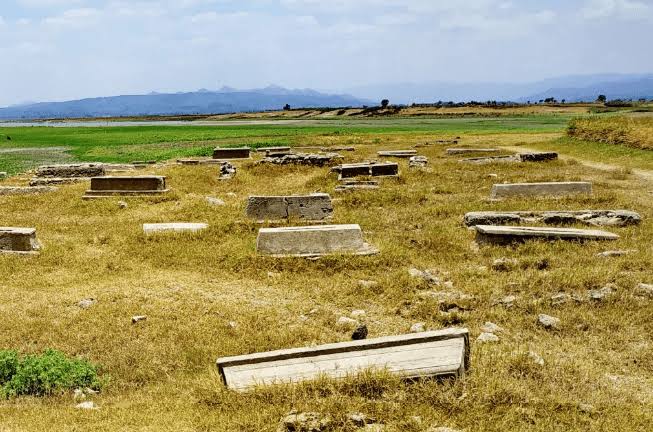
162, 373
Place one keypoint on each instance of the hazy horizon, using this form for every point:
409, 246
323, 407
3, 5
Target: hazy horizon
57, 50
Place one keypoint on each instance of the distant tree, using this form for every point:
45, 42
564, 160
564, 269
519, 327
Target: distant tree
8, 138
385, 103
601, 98
564, 100
549, 100
286, 107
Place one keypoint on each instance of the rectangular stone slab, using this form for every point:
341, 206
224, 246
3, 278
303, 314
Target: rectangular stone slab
174, 227
459, 151
493, 234
308, 207
397, 153
354, 170
443, 353
588, 217
25, 190
71, 170
384, 169
18, 240
135, 186
273, 149
537, 157
554, 189
231, 153
312, 241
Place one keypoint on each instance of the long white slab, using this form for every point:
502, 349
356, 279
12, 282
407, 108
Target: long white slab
514, 234
428, 354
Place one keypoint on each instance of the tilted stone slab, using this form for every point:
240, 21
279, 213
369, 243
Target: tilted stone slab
554, 189
72, 171
231, 153
443, 353
18, 240
588, 217
313, 241
25, 190
308, 207
461, 151
398, 153
491, 234
126, 186
174, 227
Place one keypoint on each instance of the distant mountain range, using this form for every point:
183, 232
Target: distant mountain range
225, 100
228, 100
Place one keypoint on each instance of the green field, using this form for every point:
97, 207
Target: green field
125, 144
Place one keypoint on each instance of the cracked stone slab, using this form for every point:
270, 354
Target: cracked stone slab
587, 217
316, 207
313, 241
490, 234
550, 189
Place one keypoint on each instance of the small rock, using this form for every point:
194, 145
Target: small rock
366, 284
88, 405
122, 204
614, 253
560, 299
138, 318
504, 264
360, 419
272, 274
537, 359
417, 328
418, 162
231, 194
313, 311
601, 294
357, 313
448, 285
492, 175
303, 318
548, 322
360, 333
215, 201
232, 324
305, 422
425, 275
586, 408
79, 394
86, 303
346, 322
508, 301
645, 290
487, 337
490, 327
374, 427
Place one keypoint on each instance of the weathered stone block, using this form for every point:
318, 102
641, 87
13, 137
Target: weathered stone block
537, 157
175, 227
231, 153
554, 189
588, 217
384, 169
313, 241
74, 170
18, 240
48, 181
307, 207
302, 159
509, 234
25, 190
398, 153
129, 186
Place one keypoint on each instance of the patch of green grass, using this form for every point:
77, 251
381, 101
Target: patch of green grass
46, 374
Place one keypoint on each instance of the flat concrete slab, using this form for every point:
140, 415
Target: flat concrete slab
316, 207
588, 217
231, 153
139, 186
490, 234
443, 353
553, 189
18, 240
174, 227
25, 190
462, 151
397, 153
311, 241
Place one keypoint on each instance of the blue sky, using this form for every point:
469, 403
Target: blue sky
65, 49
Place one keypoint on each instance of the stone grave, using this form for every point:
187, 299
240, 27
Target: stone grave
501, 235
313, 241
67, 173
435, 354
314, 207
231, 153
552, 189
517, 158
139, 186
398, 153
25, 190
462, 151
173, 227
587, 217
318, 160
372, 169
18, 241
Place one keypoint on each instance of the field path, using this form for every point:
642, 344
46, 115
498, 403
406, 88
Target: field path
643, 174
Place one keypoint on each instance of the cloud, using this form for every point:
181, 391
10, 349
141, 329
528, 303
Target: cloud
623, 9
73, 18
49, 3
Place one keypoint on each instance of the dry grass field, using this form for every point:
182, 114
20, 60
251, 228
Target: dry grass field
634, 131
210, 295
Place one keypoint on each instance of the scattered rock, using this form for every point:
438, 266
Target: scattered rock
357, 313
217, 202
507, 301
346, 322
537, 359
232, 324
425, 275
122, 205
227, 171
272, 274
360, 333
86, 303
305, 422
492, 175
560, 299
504, 264
603, 293
88, 405
231, 194
586, 408
417, 328
138, 318
615, 253
418, 162
645, 290
360, 419
548, 322
487, 337
366, 284
490, 327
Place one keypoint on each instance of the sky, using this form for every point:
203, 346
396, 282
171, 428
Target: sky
67, 49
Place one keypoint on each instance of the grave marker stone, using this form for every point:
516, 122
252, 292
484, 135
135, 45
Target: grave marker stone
126, 186
308, 207
18, 240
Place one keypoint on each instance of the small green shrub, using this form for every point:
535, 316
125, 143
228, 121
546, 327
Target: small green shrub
46, 374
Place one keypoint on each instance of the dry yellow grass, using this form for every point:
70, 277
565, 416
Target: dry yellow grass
162, 370
634, 131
